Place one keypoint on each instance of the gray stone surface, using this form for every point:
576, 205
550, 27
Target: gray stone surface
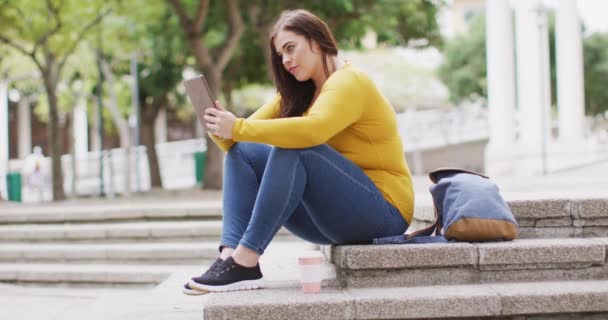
404, 256
433, 264
541, 251
553, 297
84, 273
176, 252
594, 222
593, 208
108, 232
554, 222
543, 274
108, 210
425, 302
409, 277
549, 232
513, 301
288, 303
525, 222
546, 208
595, 232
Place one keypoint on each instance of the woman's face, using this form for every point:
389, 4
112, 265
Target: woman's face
299, 59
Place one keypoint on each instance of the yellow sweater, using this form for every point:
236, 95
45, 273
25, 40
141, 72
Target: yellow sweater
351, 116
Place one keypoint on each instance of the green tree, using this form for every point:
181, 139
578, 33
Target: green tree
229, 41
48, 32
161, 59
595, 52
464, 67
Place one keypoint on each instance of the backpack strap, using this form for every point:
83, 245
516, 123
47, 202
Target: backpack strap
425, 232
435, 174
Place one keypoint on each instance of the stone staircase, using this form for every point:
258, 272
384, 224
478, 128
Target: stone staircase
133, 244
556, 270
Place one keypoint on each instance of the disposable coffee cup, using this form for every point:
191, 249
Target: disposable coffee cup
310, 271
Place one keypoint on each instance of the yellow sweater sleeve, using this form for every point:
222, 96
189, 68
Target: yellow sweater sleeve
268, 111
339, 104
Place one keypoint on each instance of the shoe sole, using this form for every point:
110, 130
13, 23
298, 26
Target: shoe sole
241, 285
192, 292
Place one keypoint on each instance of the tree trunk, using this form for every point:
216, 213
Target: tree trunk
50, 85
148, 115
213, 66
213, 178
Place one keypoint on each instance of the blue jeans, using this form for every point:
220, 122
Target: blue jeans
316, 193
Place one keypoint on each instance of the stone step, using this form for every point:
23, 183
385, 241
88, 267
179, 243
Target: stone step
467, 263
279, 264
85, 274
155, 231
551, 300
132, 253
542, 218
185, 210
127, 253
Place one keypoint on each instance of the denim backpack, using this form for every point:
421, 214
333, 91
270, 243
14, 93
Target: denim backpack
468, 207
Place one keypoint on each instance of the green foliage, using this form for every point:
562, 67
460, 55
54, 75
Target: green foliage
27, 22
595, 49
150, 29
464, 67
397, 22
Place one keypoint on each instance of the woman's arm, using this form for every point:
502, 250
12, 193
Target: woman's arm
339, 104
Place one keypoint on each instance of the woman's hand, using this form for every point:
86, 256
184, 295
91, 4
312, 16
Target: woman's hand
219, 121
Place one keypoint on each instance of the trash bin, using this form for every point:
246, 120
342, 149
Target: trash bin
13, 184
199, 166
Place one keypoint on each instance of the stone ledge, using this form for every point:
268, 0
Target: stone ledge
519, 251
550, 208
287, 303
117, 231
404, 256
85, 273
541, 251
438, 302
462, 263
178, 253
46, 214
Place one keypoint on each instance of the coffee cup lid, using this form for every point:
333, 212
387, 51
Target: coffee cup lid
310, 254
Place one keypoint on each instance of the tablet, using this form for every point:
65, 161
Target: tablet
200, 96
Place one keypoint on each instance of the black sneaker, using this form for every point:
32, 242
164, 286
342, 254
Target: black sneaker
229, 277
193, 292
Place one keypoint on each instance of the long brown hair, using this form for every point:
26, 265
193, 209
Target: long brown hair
296, 96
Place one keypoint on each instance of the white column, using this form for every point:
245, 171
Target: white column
501, 86
160, 126
3, 138
570, 82
533, 85
24, 129
81, 133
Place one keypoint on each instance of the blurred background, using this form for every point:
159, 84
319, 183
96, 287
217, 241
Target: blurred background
92, 102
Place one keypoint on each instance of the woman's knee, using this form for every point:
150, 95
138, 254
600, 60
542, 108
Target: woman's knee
297, 151
253, 154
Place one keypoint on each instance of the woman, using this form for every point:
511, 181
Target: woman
323, 158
